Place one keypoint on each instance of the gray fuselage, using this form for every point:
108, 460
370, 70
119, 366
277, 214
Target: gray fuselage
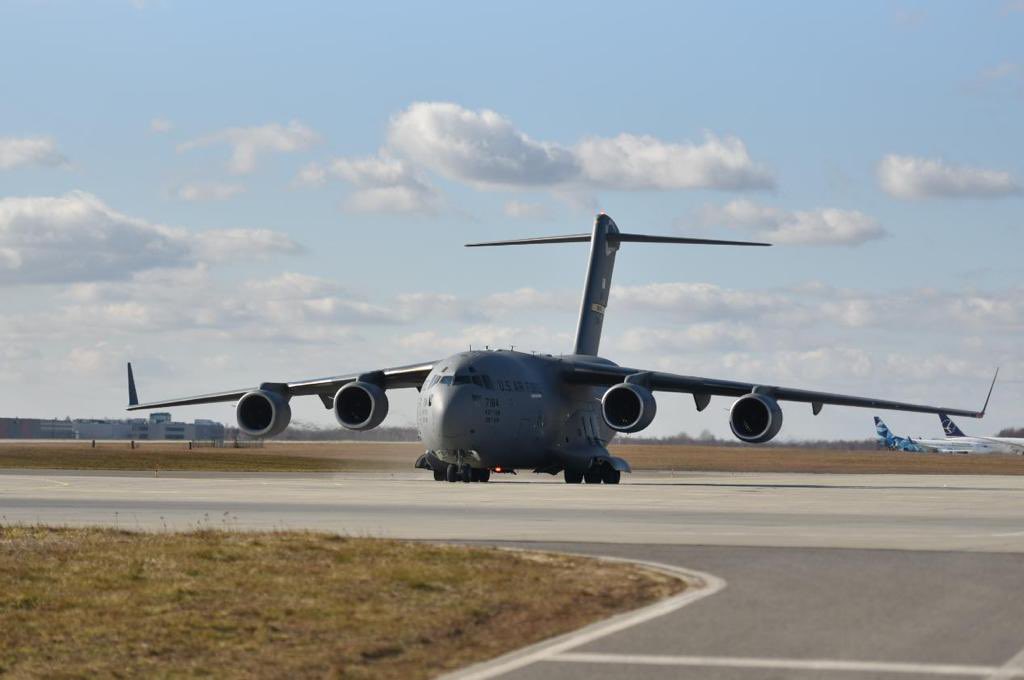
507, 409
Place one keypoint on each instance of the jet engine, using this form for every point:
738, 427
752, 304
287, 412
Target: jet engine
263, 413
755, 418
628, 407
360, 405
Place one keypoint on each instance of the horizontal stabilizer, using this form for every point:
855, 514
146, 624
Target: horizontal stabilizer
567, 238
645, 238
616, 238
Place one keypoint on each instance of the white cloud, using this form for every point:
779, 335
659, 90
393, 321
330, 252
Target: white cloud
644, 162
289, 307
248, 143
478, 147
531, 299
912, 178
524, 210
712, 335
226, 244
76, 237
700, 299
19, 151
87, 360
292, 285
208, 192
823, 226
313, 174
483, 148
1002, 71
827, 226
382, 184
160, 126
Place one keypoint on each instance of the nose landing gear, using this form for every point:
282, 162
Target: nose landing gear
462, 473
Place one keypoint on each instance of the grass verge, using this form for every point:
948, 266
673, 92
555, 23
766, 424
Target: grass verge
170, 457
109, 603
288, 456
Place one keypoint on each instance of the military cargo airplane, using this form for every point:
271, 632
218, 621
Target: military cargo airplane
480, 412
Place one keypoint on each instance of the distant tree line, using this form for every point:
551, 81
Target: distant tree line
707, 439
300, 431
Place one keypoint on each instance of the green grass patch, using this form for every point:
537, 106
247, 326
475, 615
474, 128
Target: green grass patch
109, 603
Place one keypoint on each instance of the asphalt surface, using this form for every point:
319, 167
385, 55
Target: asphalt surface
825, 576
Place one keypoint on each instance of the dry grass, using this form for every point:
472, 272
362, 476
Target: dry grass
171, 456
355, 456
108, 603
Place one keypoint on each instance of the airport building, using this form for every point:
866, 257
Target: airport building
159, 426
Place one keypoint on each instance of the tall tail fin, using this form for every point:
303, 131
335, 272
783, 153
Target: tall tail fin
604, 243
949, 427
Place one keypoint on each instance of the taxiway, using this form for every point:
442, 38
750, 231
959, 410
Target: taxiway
879, 576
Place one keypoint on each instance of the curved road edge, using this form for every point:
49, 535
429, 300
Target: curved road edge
699, 585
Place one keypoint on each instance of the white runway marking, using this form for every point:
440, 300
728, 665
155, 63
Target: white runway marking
1012, 668
700, 585
54, 483
787, 664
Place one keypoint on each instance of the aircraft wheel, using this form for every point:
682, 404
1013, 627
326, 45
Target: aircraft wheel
451, 473
485, 475
573, 477
611, 476
466, 473
592, 476
439, 475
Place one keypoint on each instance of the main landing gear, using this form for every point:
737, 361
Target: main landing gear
462, 473
596, 475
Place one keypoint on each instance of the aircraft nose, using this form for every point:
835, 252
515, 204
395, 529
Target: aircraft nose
452, 412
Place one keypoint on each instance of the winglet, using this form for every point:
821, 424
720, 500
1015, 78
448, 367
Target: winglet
990, 388
133, 396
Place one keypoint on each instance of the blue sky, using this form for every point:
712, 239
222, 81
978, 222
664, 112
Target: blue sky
234, 192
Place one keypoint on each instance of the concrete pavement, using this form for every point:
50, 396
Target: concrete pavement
827, 576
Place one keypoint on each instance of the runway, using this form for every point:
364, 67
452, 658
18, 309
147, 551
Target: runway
805, 510
826, 575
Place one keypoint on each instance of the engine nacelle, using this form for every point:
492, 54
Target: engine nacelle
360, 405
263, 413
755, 418
628, 407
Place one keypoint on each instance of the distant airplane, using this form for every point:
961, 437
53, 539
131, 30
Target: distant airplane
501, 410
998, 444
912, 445
893, 442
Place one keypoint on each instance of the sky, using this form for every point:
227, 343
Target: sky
232, 193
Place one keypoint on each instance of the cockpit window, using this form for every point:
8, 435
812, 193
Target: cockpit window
446, 380
462, 380
487, 382
478, 381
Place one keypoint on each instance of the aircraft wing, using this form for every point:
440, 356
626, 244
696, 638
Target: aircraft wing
412, 375
702, 389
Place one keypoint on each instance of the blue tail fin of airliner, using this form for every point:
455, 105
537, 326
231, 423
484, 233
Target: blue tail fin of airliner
949, 427
884, 433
